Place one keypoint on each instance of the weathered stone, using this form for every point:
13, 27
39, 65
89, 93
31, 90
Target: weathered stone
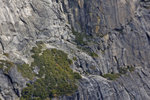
120, 35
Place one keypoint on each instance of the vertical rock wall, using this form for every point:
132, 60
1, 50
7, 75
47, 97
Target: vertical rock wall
120, 30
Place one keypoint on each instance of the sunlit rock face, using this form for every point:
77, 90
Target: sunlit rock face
120, 35
120, 27
25, 22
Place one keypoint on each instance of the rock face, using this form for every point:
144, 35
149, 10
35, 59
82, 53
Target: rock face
120, 30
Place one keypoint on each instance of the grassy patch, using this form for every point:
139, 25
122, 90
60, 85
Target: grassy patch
124, 70
111, 76
55, 77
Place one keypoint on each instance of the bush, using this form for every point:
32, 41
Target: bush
55, 77
111, 76
88, 51
93, 54
79, 39
26, 71
76, 75
6, 54
124, 70
131, 68
75, 58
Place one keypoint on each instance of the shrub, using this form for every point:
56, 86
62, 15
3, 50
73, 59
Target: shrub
79, 39
124, 70
88, 51
26, 71
111, 76
131, 68
6, 54
93, 54
55, 77
36, 50
75, 58
76, 75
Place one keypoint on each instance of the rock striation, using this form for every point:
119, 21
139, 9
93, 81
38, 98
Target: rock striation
118, 33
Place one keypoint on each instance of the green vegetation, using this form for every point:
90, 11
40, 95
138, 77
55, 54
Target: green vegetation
75, 58
5, 65
26, 71
89, 52
76, 75
82, 41
93, 54
111, 76
131, 68
79, 38
6, 54
124, 70
55, 77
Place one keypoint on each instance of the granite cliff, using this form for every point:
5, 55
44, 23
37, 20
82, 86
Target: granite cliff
107, 40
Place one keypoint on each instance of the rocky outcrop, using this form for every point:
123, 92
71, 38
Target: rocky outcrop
119, 27
134, 86
119, 32
25, 22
